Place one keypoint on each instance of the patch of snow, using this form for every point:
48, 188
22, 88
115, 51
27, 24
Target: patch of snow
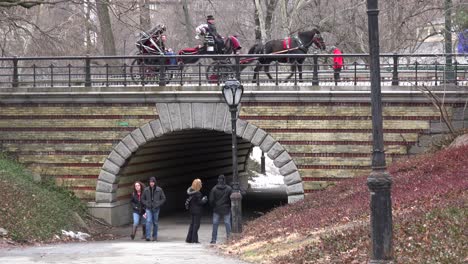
78, 235
272, 177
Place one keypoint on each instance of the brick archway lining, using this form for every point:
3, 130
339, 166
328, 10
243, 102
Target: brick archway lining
182, 116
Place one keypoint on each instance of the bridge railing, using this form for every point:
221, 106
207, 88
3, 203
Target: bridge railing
212, 70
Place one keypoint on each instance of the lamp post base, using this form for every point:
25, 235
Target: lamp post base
381, 261
236, 211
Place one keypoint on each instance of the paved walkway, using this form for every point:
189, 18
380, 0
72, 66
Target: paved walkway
170, 249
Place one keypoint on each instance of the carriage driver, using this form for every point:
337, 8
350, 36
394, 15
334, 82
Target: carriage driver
210, 28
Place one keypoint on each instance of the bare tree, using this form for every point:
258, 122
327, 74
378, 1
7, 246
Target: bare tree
107, 40
145, 18
188, 22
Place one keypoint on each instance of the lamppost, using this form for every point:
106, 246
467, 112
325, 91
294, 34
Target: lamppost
379, 180
232, 92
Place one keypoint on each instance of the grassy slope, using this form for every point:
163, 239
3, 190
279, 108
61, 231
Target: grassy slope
429, 196
33, 211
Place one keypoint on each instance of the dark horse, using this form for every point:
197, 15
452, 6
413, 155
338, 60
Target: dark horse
295, 45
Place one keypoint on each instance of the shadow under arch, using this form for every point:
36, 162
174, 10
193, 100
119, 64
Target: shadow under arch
179, 117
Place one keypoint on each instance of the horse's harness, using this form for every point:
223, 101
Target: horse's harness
301, 45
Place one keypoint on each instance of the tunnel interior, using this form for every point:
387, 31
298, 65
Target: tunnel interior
177, 158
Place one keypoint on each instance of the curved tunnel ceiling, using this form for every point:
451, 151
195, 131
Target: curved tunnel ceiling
175, 159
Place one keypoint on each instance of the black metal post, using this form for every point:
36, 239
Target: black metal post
395, 80
107, 74
87, 71
162, 72
15, 72
379, 180
355, 73
315, 80
34, 75
69, 74
416, 73
125, 74
238, 69
52, 75
262, 163
236, 197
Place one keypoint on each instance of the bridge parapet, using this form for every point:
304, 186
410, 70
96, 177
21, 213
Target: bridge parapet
120, 72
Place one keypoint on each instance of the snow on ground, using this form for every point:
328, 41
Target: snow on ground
272, 179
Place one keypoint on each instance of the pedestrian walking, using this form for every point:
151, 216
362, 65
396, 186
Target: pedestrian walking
337, 63
196, 202
153, 199
220, 201
138, 213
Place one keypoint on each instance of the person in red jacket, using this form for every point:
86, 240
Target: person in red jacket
337, 63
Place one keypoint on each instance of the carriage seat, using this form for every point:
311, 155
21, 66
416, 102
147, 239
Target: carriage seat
189, 51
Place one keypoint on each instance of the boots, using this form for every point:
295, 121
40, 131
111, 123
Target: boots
134, 229
143, 235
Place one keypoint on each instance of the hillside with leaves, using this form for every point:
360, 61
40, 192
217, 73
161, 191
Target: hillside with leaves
429, 197
35, 211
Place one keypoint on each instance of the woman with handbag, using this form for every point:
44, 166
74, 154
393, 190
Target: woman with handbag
196, 208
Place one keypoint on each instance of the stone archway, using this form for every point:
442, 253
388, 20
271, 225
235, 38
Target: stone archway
185, 116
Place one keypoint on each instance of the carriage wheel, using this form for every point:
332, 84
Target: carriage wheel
219, 72
142, 73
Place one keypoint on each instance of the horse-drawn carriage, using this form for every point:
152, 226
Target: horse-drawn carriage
150, 69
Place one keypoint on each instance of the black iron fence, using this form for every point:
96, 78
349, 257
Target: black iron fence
206, 70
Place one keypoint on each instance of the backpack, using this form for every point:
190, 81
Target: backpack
187, 202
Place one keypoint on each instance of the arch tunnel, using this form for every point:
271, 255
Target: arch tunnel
187, 141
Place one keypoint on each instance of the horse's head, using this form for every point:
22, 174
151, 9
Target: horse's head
312, 37
317, 40
232, 45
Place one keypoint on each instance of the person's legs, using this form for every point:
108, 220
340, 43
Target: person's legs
227, 224
196, 226
214, 233
155, 223
336, 75
190, 231
136, 220
143, 227
149, 223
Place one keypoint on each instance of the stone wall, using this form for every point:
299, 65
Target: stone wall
328, 139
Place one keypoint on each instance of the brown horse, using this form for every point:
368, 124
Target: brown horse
295, 45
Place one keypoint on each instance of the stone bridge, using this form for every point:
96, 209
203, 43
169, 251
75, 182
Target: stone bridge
97, 143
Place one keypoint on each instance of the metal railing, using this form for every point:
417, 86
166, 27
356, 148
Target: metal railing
212, 70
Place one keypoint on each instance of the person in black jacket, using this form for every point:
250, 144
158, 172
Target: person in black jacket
153, 198
220, 200
138, 209
195, 208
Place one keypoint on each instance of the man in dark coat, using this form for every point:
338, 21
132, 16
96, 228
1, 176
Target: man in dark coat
153, 198
220, 200
214, 32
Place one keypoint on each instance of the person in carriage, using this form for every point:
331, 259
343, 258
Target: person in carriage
208, 31
153, 41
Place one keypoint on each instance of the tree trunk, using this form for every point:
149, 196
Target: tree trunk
284, 16
271, 6
88, 26
107, 36
258, 32
145, 18
188, 23
449, 74
261, 19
